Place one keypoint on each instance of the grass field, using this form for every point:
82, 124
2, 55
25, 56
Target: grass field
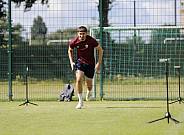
97, 118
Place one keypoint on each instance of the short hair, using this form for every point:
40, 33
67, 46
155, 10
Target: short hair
82, 29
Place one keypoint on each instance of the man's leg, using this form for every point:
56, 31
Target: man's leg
79, 77
89, 87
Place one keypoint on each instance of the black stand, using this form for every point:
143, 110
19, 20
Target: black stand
167, 114
180, 100
27, 99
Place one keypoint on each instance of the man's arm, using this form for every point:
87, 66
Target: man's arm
70, 54
100, 55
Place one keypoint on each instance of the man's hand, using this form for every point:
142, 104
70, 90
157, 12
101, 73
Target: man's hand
100, 54
72, 64
97, 68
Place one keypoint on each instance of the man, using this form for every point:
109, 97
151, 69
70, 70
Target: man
85, 65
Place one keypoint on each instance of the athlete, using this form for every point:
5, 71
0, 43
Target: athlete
85, 64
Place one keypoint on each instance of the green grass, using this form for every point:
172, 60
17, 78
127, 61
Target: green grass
97, 118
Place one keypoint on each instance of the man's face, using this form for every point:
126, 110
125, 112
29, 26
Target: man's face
82, 36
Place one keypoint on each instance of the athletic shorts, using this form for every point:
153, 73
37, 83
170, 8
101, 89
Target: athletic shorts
86, 68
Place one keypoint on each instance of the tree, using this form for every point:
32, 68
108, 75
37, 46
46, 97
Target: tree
106, 7
17, 31
28, 3
3, 29
39, 29
2, 9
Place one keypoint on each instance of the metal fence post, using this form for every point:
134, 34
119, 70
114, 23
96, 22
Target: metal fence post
101, 43
9, 52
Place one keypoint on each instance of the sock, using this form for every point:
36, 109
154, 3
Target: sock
88, 92
80, 97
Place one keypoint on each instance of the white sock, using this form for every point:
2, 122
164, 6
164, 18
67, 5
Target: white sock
80, 97
88, 92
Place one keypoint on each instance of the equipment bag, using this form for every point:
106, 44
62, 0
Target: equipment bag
67, 93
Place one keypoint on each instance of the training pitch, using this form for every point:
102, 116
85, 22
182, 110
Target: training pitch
97, 118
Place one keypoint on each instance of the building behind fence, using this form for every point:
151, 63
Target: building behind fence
134, 34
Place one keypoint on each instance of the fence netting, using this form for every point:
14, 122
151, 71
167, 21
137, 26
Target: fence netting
134, 34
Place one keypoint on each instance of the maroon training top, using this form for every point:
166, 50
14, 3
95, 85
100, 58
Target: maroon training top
85, 49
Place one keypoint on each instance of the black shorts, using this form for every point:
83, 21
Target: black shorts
86, 68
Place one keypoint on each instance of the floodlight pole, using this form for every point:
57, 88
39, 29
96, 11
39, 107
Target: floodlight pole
167, 114
180, 100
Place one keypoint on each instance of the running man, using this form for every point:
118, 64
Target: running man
85, 65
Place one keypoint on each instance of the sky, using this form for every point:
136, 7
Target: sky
58, 14
62, 14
